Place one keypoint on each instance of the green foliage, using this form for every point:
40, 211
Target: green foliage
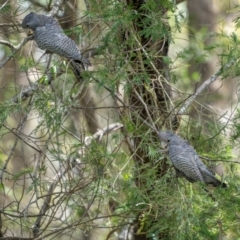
236, 134
122, 177
23, 172
76, 30
5, 8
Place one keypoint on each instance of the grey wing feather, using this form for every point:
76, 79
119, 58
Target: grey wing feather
206, 173
185, 163
181, 174
57, 42
48, 39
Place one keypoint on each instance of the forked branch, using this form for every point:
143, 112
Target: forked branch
87, 141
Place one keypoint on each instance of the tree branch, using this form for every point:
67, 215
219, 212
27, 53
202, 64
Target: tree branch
15, 238
9, 25
14, 48
87, 141
3, 5
213, 78
56, 6
8, 44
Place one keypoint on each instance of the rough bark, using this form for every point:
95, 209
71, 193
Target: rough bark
151, 104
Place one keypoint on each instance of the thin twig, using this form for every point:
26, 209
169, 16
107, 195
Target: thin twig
98, 135
21, 138
152, 64
146, 108
218, 160
56, 6
3, 5
15, 49
9, 25
15, 238
213, 78
87, 141
8, 44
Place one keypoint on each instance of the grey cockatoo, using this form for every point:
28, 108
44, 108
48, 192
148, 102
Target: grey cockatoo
186, 161
50, 36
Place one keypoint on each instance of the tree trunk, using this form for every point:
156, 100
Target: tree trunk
149, 95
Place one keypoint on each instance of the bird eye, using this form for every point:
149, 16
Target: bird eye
168, 140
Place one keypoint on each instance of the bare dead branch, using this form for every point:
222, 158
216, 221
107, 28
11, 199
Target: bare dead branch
213, 78
9, 25
56, 6
15, 48
100, 133
15, 238
8, 44
3, 4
